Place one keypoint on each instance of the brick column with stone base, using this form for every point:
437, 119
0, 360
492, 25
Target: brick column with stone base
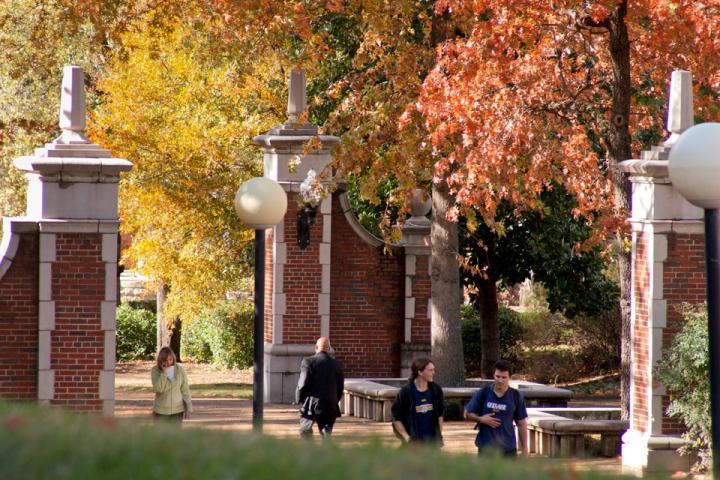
297, 299
72, 208
416, 247
331, 277
668, 269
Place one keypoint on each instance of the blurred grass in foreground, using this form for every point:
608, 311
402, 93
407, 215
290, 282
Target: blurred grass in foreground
43, 443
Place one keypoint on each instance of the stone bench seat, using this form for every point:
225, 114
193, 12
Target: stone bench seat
564, 432
372, 398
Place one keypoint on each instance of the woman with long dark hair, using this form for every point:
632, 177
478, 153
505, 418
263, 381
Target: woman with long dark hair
417, 413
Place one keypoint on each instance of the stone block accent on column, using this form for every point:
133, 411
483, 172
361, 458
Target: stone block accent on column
667, 270
46, 319
72, 204
324, 261
416, 247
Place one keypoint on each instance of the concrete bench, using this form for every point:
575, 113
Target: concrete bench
564, 432
372, 398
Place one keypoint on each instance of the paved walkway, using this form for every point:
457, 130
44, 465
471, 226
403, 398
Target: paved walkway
282, 420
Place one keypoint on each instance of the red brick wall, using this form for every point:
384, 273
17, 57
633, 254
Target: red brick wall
19, 323
640, 332
683, 282
367, 303
421, 292
78, 286
302, 280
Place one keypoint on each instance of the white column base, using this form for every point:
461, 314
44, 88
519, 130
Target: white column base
282, 370
657, 453
109, 408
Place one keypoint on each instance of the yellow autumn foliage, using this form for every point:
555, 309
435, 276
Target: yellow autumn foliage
183, 104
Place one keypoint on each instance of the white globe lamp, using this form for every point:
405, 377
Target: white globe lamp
694, 165
260, 203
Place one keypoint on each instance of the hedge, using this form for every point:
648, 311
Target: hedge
38, 443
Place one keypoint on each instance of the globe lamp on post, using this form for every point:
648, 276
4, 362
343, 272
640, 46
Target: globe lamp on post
260, 203
694, 168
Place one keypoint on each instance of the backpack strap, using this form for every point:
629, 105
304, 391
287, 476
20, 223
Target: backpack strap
481, 400
516, 399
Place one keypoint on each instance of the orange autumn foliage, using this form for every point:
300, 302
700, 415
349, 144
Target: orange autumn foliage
519, 95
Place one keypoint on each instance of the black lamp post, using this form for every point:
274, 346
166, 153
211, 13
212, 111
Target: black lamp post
260, 203
694, 168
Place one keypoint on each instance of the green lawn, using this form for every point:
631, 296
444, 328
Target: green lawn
241, 391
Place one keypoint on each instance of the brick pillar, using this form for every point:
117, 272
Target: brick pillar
369, 297
416, 247
72, 202
667, 270
297, 301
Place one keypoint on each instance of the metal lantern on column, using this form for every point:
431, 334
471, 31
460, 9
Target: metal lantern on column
694, 168
260, 203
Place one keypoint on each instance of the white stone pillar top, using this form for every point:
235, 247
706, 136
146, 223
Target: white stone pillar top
296, 130
680, 105
71, 154
72, 99
297, 96
653, 162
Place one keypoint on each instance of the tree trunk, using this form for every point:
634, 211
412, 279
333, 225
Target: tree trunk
446, 334
163, 332
489, 330
446, 331
175, 336
619, 149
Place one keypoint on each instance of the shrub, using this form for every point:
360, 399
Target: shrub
598, 341
223, 336
560, 349
549, 364
542, 327
684, 369
136, 332
194, 342
510, 335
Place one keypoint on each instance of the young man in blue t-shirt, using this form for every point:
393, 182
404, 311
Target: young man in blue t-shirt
494, 408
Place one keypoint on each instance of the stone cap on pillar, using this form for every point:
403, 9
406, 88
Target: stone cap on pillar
284, 158
296, 130
653, 163
72, 178
416, 229
71, 153
680, 106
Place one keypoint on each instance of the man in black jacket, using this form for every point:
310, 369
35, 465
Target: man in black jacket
319, 390
417, 413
